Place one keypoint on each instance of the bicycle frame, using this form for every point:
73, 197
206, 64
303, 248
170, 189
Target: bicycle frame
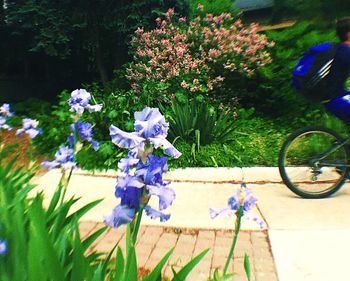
324, 155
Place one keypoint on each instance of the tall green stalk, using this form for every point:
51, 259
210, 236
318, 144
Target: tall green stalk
66, 182
137, 225
235, 237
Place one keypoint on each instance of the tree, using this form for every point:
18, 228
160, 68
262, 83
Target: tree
94, 33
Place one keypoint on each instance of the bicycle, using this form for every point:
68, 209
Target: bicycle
314, 162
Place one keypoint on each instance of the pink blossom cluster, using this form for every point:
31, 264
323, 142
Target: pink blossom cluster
230, 44
187, 57
164, 55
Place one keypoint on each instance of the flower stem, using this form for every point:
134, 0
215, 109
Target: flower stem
237, 229
137, 225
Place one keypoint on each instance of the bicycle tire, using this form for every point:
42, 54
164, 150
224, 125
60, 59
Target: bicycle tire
286, 169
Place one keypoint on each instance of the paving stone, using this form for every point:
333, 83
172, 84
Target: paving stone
244, 236
185, 245
264, 265
203, 244
206, 234
266, 276
104, 242
153, 243
238, 268
179, 260
218, 262
167, 240
86, 227
151, 235
187, 239
221, 251
241, 251
196, 275
143, 252
224, 233
222, 241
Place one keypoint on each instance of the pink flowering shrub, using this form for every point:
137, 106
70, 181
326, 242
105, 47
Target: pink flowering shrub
193, 59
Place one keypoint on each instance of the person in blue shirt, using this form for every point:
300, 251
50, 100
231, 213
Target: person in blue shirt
340, 72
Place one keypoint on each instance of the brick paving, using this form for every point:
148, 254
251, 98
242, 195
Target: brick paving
153, 242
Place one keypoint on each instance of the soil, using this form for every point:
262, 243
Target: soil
20, 149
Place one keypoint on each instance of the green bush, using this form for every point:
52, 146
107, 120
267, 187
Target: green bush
215, 7
199, 124
255, 142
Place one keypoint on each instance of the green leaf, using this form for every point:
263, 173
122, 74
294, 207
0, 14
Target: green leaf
119, 265
54, 200
79, 264
40, 238
182, 274
131, 265
155, 275
247, 267
92, 238
83, 210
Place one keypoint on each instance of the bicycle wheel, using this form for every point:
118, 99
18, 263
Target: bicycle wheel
309, 166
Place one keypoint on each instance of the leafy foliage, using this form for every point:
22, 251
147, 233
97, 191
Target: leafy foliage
27, 226
73, 40
215, 7
178, 59
326, 11
198, 123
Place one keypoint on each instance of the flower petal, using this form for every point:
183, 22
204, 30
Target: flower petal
222, 212
95, 145
233, 202
19, 132
49, 164
120, 215
150, 123
255, 218
166, 195
3, 247
169, 149
154, 214
94, 108
125, 163
124, 139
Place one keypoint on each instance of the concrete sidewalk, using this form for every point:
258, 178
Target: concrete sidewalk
304, 240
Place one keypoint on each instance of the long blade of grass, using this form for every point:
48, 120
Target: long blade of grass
183, 273
155, 275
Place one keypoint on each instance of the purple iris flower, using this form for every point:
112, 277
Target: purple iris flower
5, 110
3, 124
85, 132
147, 180
79, 101
129, 190
152, 171
150, 126
120, 215
154, 214
3, 247
64, 157
30, 128
235, 202
150, 123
